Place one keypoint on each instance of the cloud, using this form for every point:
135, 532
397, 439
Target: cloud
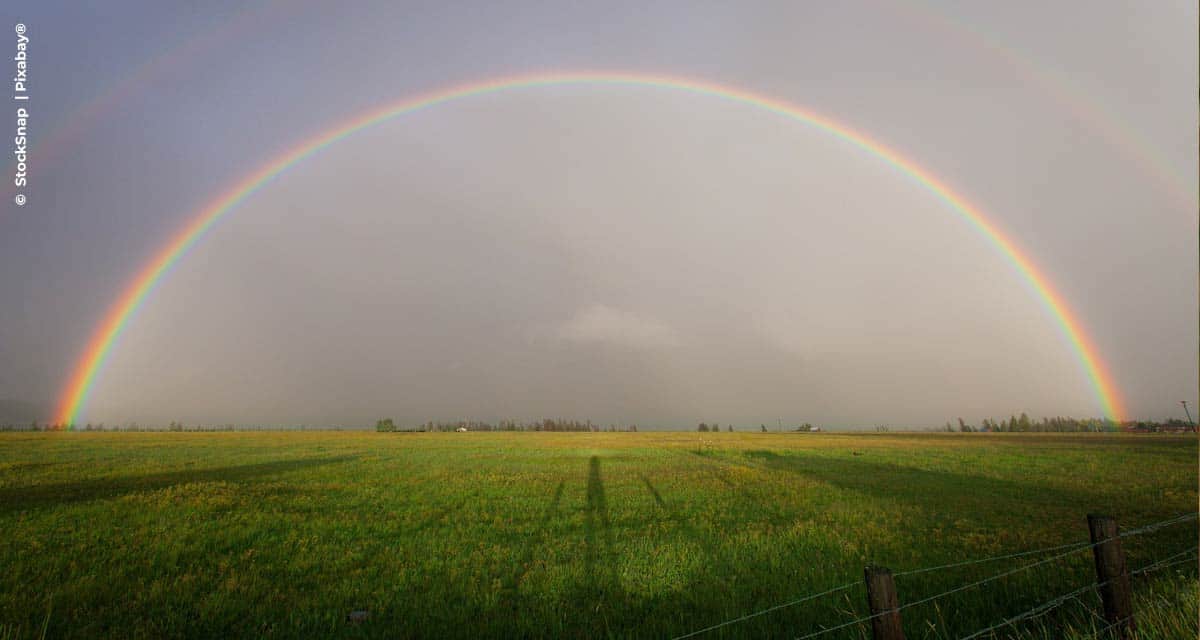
599, 324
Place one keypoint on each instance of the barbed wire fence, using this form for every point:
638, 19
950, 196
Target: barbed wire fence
1124, 620
1056, 602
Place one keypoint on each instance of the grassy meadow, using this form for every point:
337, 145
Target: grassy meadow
281, 535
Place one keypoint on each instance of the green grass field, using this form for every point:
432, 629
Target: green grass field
573, 535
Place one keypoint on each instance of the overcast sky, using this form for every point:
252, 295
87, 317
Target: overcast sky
624, 254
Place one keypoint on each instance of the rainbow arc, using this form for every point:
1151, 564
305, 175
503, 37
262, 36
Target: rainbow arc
83, 376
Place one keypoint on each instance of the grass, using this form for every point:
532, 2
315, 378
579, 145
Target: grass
178, 535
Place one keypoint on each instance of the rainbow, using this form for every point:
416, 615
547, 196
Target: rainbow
75, 394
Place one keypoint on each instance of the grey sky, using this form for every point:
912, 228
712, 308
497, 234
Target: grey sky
620, 254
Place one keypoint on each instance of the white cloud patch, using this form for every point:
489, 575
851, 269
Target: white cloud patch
599, 324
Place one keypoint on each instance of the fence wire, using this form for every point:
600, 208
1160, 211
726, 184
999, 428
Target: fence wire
766, 611
1169, 561
1040, 610
1070, 549
1072, 546
960, 588
1049, 605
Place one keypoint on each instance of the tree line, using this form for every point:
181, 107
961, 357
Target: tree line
1013, 424
1061, 424
545, 424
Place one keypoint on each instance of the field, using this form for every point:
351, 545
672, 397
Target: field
574, 535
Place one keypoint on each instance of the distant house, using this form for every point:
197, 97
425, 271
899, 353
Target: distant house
815, 429
461, 429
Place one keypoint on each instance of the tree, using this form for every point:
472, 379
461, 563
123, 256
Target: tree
730, 428
764, 428
385, 426
703, 427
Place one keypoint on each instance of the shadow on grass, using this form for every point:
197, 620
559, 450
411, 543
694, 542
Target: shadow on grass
728, 585
748, 505
14, 499
731, 576
940, 491
597, 534
707, 542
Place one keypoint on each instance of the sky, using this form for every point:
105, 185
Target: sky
625, 254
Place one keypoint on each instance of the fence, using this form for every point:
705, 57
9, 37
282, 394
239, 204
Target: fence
1112, 583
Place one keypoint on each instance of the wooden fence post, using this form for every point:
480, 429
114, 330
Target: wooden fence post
884, 603
1112, 574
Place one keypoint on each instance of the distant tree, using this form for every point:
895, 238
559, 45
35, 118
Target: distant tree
948, 427
962, 426
385, 426
764, 428
730, 429
703, 427
1023, 423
